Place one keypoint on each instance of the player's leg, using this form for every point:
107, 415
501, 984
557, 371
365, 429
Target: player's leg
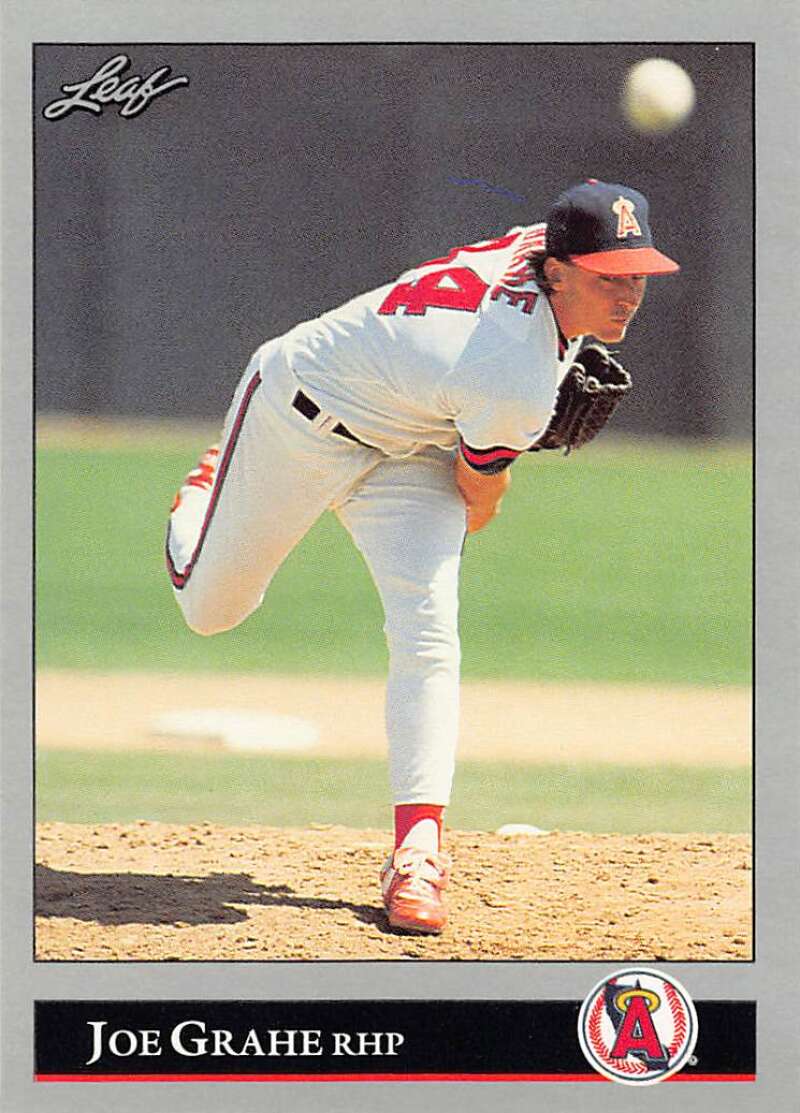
408, 520
240, 514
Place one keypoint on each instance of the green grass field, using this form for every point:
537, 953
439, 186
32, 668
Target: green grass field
623, 562
626, 562
237, 790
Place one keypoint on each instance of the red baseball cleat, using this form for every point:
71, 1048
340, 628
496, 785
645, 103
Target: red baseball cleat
412, 881
202, 476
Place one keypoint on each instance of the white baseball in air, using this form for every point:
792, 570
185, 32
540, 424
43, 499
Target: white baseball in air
657, 96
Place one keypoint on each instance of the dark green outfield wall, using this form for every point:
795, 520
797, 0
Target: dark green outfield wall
285, 179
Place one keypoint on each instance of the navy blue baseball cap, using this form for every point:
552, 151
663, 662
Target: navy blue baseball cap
604, 228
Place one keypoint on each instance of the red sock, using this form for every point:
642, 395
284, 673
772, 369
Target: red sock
407, 815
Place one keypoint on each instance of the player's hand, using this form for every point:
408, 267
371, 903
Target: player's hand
482, 494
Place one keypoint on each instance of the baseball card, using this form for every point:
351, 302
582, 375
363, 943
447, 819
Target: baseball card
399, 611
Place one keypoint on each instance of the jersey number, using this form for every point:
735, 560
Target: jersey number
451, 288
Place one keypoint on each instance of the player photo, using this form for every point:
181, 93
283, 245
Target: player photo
393, 502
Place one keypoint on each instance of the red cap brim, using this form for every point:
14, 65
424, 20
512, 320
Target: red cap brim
626, 260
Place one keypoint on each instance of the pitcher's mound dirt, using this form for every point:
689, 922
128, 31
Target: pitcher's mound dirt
154, 891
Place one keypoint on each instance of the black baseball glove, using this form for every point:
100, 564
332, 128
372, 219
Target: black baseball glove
588, 395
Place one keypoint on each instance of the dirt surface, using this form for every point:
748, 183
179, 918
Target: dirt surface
500, 720
153, 891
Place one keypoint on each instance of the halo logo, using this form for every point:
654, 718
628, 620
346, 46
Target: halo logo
638, 1026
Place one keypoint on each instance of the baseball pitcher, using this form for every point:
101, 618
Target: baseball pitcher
402, 411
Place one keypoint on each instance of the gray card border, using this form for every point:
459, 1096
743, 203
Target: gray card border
771, 978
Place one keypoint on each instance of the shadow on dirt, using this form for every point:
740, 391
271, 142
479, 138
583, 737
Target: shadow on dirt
139, 898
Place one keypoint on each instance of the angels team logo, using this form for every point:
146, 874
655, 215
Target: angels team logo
638, 1026
627, 224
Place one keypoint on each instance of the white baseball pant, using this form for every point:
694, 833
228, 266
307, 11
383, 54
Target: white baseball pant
277, 472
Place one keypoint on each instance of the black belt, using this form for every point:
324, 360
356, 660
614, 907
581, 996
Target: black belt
303, 404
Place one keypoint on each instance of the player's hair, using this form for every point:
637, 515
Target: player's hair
536, 261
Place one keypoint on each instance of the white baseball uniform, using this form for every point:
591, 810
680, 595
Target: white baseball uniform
363, 411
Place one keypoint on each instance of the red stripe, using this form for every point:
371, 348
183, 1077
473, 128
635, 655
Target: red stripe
371, 1078
488, 455
180, 579
712, 1078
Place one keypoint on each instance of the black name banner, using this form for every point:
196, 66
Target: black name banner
352, 1040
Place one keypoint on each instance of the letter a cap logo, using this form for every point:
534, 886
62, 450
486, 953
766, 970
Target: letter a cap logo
627, 224
638, 1026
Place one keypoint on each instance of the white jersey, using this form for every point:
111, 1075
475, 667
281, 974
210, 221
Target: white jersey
461, 353
464, 348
